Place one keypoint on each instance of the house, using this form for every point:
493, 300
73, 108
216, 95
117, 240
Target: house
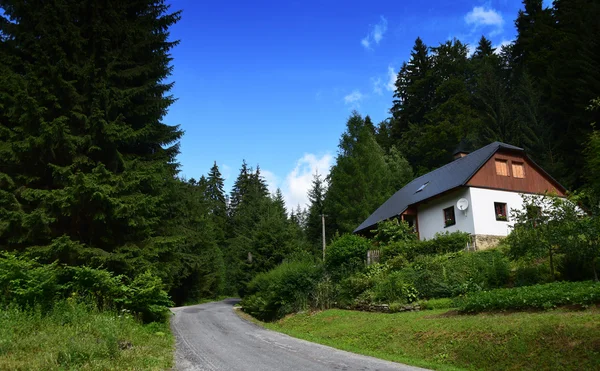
474, 194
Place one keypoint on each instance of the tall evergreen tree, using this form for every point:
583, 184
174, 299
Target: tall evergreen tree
86, 156
316, 199
362, 177
215, 194
414, 91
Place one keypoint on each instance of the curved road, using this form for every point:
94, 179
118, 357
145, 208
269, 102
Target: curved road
212, 337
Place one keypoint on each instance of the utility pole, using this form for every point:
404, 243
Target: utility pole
323, 223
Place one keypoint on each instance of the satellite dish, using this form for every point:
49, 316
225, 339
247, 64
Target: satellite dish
462, 204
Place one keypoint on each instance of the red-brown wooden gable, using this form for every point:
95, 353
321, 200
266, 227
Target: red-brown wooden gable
534, 181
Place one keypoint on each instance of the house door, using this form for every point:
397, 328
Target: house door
411, 220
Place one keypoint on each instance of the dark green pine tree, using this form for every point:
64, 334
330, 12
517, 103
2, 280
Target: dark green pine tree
451, 116
240, 188
86, 156
316, 199
215, 194
414, 91
362, 178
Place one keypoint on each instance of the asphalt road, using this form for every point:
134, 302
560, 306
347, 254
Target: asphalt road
212, 337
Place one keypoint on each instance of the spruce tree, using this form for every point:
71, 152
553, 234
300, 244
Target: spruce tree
215, 194
86, 156
414, 91
362, 178
316, 199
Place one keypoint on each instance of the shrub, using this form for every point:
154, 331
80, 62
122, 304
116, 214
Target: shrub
392, 231
96, 285
357, 286
545, 296
145, 296
443, 303
346, 255
457, 273
392, 288
26, 283
531, 273
282, 290
325, 294
443, 243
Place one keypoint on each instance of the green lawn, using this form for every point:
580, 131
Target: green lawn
76, 337
438, 339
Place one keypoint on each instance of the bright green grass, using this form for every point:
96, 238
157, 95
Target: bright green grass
556, 340
75, 337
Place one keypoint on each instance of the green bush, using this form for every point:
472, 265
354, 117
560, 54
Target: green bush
531, 273
443, 303
346, 255
545, 296
443, 243
282, 290
392, 231
357, 287
26, 283
145, 296
457, 273
392, 288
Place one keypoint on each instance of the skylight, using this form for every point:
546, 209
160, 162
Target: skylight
422, 187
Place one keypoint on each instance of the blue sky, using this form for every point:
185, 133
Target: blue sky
273, 82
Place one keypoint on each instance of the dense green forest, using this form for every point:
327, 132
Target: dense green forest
88, 167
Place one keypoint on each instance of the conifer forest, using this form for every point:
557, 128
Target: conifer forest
89, 176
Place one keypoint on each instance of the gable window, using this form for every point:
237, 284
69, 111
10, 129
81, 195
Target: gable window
518, 170
502, 167
500, 210
449, 218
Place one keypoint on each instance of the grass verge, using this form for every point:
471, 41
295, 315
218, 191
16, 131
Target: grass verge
438, 339
75, 336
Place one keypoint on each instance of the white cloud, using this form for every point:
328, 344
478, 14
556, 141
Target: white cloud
471, 49
498, 48
480, 16
366, 43
377, 84
391, 84
299, 181
271, 179
354, 98
485, 17
375, 33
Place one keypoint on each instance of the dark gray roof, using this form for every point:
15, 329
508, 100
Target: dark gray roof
445, 178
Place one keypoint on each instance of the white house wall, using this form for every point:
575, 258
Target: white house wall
431, 215
484, 214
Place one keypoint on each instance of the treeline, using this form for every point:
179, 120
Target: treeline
532, 93
88, 171
537, 93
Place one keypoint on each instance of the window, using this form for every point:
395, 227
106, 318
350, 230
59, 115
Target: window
500, 210
518, 170
502, 167
449, 218
422, 187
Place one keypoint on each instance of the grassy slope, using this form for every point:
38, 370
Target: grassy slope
519, 341
75, 337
